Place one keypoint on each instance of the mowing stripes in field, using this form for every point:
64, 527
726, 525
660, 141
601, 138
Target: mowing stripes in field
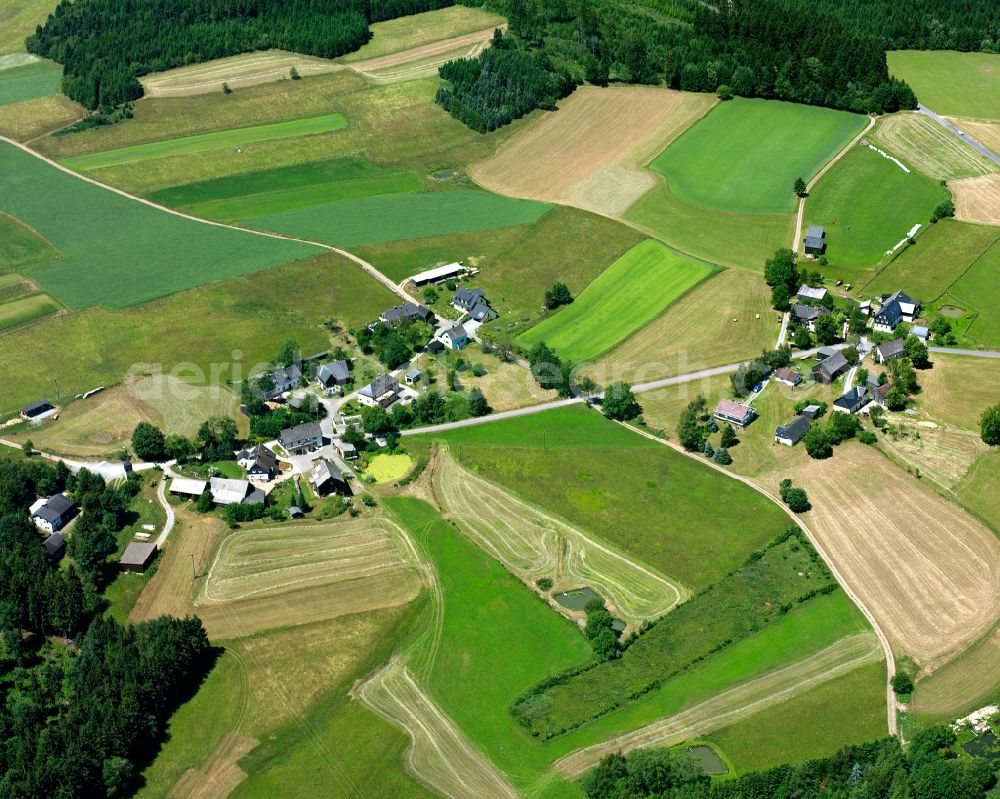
398, 217
746, 154
119, 252
204, 142
635, 289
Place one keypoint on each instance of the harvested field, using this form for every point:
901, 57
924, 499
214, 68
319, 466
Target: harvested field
977, 199
590, 152
238, 71
439, 755
18, 19
506, 385
533, 544
986, 132
965, 684
736, 703
928, 571
976, 289
944, 454
422, 59
958, 389
219, 775
925, 144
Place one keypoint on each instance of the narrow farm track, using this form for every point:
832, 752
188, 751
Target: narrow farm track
797, 235
735, 704
439, 754
532, 543
475, 41
365, 265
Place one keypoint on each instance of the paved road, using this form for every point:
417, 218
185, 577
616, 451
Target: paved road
961, 134
973, 353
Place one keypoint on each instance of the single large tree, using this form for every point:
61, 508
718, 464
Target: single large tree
148, 442
989, 425
620, 403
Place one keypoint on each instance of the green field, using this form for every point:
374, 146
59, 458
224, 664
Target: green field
21, 247
744, 241
669, 511
396, 217
631, 292
956, 84
118, 252
977, 288
745, 155
18, 19
27, 309
204, 142
867, 204
39, 79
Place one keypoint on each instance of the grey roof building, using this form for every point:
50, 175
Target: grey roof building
302, 437
326, 478
808, 314
407, 312
55, 513
889, 350
896, 307
827, 370
55, 547
473, 302
337, 373
382, 391
137, 557
791, 433
853, 401
815, 243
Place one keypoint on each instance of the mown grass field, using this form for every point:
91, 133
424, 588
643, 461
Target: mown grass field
21, 247
633, 291
978, 489
18, 19
745, 155
118, 252
397, 217
235, 325
867, 204
233, 138
977, 289
662, 508
740, 240
919, 140
32, 118
26, 309
956, 84
28, 82
942, 254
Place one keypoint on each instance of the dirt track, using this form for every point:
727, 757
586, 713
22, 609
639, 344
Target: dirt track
734, 704
440, 48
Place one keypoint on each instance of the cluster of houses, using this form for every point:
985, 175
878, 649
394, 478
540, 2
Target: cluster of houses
472, 303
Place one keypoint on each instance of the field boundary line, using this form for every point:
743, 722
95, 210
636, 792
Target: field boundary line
365, 265
800, 214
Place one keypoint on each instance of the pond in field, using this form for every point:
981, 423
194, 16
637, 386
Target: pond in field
951, 310
577, 599
986, 746
709, 760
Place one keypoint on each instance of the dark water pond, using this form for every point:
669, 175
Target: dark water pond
577, 599
709, 759
986, 746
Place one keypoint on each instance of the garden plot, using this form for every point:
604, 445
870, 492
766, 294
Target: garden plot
534, 544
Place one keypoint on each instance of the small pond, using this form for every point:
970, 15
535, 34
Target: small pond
951, 310
986, 746
708, 758
577, 599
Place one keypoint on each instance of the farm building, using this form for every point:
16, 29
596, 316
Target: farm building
829, 369
412, 377
921, 332
455, 338
38, 411
878, 393
381, 392
234, 492
55, 547
809, 294
473, 302
865, 307
806, 315
328, 479
791, 433
260, 462
407, 312
284, 380
826, 352
889, 350
301, 438
788, 376
137, 557
348, 452
53, 513
734, 412
853, 401
438, 274
186, 487
896, 308
815, 243
333, 374
810, 411
435, 346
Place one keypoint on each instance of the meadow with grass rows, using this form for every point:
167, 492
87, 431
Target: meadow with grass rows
935, 151
118, 252
634, 290
744, 156
951, 83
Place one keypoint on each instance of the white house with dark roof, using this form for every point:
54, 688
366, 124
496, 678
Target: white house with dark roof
455, 338
301, 438
327, 479
260, 463
889, 350
790, 434
853, 401
734, 412
806, 315
53, 513
474, 303
284, 379
382, 392
37, 411
897, 307
333, 374
407, 312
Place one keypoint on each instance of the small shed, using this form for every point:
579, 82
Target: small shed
815, 243
412, 377
137, 557
810, 411
38, 411
55, 547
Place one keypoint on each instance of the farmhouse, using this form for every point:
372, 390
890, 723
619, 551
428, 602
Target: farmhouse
734, 412
137, 557
284, 380
301, 438
889, 350
439, 274
54, 513
333, 374
788, 376
260, 462
806, 315
381, 392
809, 294
791, 433
412, 377
896, 308
455, 338
234, 492
328, 479
815, 243
55, 547
853, 400
473, 302
38, 411
407, 312
878, 392
827, 370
